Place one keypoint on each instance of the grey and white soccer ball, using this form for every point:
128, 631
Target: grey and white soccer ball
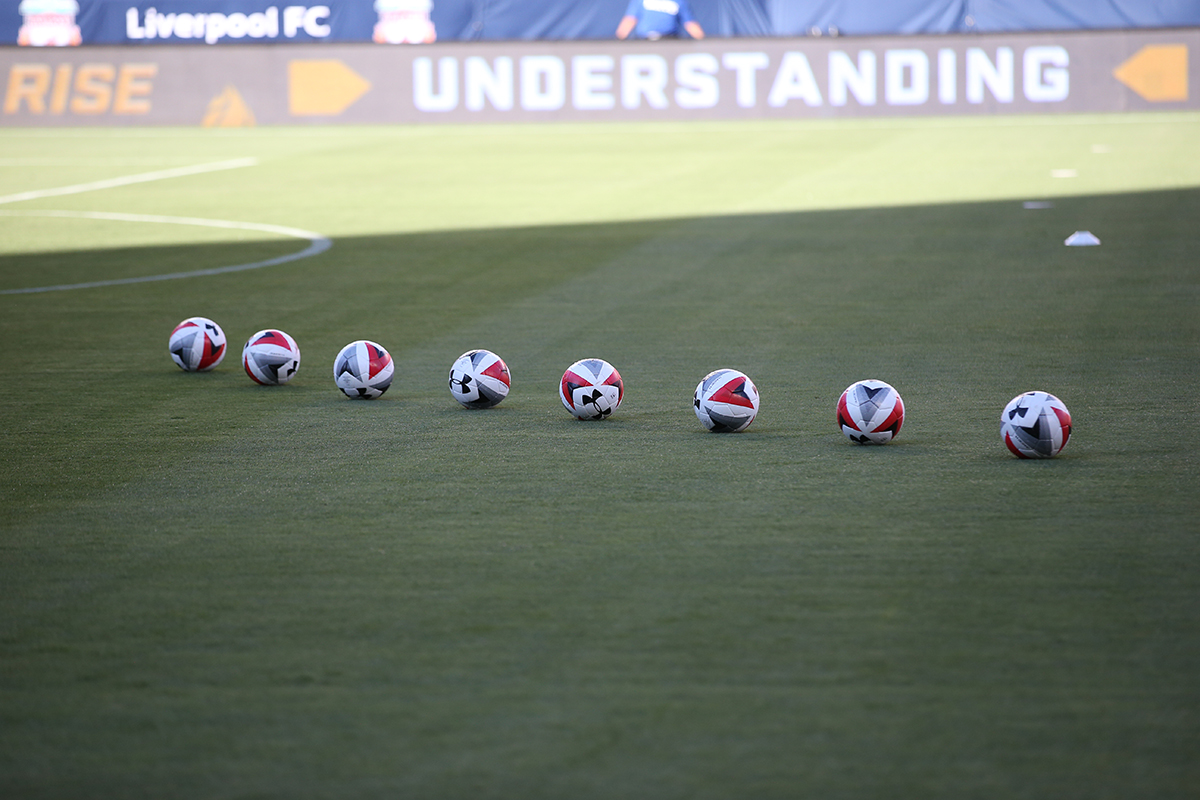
197, 344
479, 379
870, 412
726, 401
363, 370
591, 388
271, 357
1035, 425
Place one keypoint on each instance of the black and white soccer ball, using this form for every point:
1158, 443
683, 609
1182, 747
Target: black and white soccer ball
870, 412
197, 344
363, 370
1035, 425
479, 379
271, 357
591, 388
726, 401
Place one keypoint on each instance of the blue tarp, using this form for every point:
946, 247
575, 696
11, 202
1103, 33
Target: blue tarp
246, 21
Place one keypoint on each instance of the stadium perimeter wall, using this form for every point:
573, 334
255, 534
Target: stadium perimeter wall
515, 81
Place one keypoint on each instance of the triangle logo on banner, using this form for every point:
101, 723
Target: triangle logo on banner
1081, 239
228, 110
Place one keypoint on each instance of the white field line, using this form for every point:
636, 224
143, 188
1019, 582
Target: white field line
318, 243
143, 177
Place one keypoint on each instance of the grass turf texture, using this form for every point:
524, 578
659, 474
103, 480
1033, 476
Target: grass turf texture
215, 589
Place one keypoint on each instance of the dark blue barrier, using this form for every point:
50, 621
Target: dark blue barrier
209, 22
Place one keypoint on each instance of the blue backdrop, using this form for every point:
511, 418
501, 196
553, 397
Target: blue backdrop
243, 21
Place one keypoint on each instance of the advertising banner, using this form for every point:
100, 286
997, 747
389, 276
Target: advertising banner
611, 80
230, 22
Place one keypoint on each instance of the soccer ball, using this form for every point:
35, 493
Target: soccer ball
870, 412
197, 344
726, 401
479, 379
363, 370
591, 389
271, 357
1035, 425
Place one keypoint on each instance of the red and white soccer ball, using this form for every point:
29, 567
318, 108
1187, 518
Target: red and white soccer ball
363, 370
726, 401
1035, 425
197, 344
479, 379
870, 412
271, 357
591, 389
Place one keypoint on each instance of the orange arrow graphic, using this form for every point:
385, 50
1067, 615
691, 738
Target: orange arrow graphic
323, 88
1158, 72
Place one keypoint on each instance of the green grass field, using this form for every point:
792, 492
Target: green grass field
211, 589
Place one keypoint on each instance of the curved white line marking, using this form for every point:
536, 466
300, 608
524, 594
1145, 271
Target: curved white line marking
141, 177
317, 244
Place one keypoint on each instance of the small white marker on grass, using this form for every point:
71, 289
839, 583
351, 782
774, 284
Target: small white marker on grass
1081, 239
1037, 204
